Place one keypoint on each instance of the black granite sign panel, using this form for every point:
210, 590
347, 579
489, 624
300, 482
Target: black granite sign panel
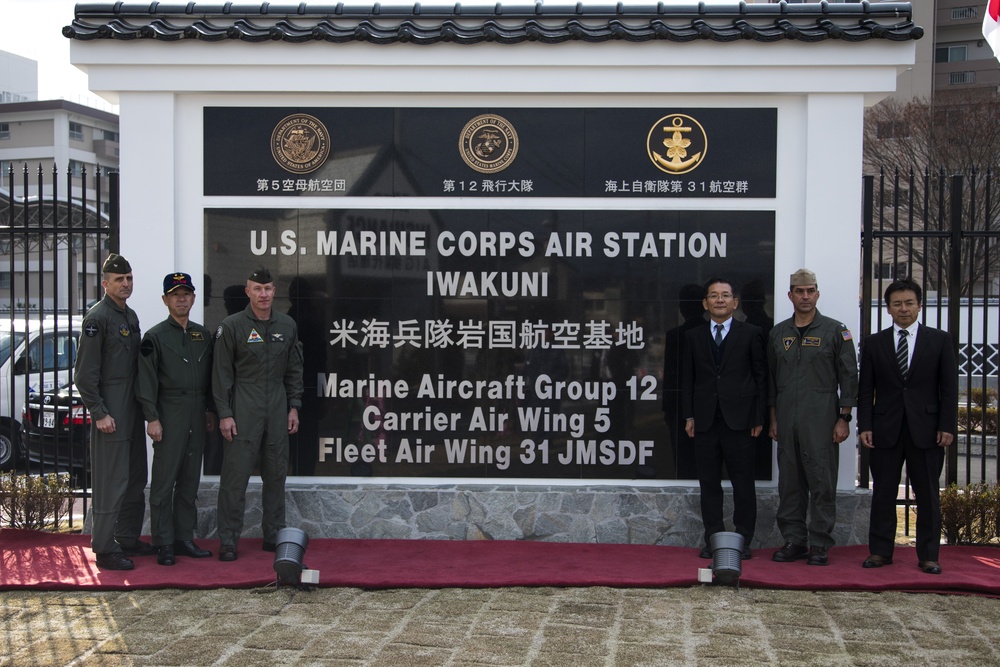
667, 153
680, 153
272, 151
490, 344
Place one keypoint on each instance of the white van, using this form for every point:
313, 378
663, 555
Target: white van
35, 356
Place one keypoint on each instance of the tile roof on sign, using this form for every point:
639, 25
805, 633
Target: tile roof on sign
505, 23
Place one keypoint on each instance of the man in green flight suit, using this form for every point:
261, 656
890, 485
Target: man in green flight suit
105, 377
812, 391
257, 385
175, 380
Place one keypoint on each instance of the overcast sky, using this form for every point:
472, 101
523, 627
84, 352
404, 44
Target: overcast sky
33, 29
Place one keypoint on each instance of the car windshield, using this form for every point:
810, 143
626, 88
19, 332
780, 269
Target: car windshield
6, 338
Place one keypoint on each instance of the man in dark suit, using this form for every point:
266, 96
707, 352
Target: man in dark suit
907, 412
723, 402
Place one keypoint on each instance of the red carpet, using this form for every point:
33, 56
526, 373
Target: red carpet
46, 561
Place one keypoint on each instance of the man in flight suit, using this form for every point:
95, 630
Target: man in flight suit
257, 386
105, 377
810, 358
175, 376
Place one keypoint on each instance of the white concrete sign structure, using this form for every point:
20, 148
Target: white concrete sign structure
817, 66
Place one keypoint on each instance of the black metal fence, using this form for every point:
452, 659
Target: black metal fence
52, 242
942, 229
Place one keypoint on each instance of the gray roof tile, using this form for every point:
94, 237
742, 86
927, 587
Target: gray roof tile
419, 23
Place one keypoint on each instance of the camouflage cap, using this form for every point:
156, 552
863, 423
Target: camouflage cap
802, 278
174, 280
260, 275
116, 264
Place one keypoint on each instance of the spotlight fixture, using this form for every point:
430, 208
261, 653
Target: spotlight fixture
291, 547
727, 557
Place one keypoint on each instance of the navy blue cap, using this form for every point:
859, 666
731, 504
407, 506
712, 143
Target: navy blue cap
174, 280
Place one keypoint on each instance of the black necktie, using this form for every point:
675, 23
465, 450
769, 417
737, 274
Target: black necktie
718, 335
903, 352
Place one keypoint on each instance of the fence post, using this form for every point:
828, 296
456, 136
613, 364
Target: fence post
867, 275
114, 212
955, 297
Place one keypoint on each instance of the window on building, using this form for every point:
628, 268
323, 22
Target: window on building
4, 130
957, 78
4, 279
76, 168
960, 13
892, 129
956, 53
890, 270
76, 131
106, 135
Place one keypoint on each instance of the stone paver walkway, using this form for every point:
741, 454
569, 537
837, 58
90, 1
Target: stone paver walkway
575, 627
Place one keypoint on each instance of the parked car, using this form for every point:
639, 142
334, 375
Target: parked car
35, 356
55, 431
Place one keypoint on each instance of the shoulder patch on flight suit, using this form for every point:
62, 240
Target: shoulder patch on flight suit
846, 334
91, 330
811, 341
146, 348
123, 330
218, 332
254, 337
278, 337
196, 335
787, 342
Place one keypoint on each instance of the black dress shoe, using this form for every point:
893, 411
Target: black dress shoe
166, 555
190, 549
790, 552
876, 561
818, 556
269, 546
114, 561
227, 553
930, 566
705, 552
747, 552
139, 548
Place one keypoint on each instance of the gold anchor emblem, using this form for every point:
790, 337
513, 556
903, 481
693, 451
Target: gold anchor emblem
683, 133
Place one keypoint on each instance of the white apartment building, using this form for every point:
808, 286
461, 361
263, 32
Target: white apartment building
40, 137
18, 78
69, 136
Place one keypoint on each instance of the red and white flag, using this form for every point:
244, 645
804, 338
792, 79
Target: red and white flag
991, 26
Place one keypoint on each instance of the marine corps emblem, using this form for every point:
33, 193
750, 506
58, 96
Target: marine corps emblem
677, 144
300, 143
488, 143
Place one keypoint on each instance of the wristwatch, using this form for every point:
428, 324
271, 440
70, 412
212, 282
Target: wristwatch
846, 416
